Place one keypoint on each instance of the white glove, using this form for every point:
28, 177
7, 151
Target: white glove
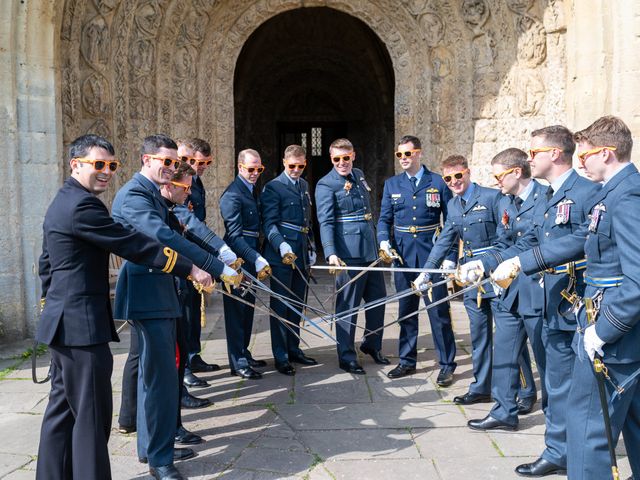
312, 258
229, 271
334, 261
592, 342
285, 248
261, 263
226, 255
422, 281
386, 247
506, 269
448, 265
471, 272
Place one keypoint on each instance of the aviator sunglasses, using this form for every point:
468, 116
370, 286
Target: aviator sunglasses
457, 176
166, 161
100, 165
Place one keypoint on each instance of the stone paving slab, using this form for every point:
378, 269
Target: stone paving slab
321, 424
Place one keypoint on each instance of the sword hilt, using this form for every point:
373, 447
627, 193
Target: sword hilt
230, 281
289, 259
237, 264
333, 271
264, 273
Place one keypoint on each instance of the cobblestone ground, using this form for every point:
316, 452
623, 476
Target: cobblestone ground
321, 424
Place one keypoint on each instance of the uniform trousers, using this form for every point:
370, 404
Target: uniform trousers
368, 287
77, 422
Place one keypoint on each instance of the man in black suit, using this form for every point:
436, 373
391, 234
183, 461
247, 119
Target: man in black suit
76, 321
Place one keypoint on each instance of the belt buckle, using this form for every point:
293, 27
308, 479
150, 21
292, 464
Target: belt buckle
413, 229
304, 229
367, 216
469, 253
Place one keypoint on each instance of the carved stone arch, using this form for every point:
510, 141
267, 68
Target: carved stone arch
225, 43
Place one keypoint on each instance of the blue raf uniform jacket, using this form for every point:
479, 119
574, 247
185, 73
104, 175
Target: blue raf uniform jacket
74, 267
286, 217
241, 214
612, 253
525, 293
197, 198
475, 224
562, 215
142, 292
409, 220
344, 213
196, 230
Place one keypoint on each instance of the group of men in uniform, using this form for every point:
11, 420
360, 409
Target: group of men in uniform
159, 227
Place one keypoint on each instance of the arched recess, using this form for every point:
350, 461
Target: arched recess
310, 76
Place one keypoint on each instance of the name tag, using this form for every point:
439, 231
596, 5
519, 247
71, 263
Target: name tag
396, 195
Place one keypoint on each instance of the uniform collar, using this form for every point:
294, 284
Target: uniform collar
619, 169
468, 194
418, 175
293, 182
527, 191
250, 186
558, 182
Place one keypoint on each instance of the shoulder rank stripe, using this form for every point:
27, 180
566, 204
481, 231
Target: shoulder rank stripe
172, 257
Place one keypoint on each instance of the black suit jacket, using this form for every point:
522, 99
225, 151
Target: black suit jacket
78, 235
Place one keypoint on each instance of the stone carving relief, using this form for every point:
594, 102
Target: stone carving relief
475, 14
519, 6
95, 94
95, 46
532, 41
531, 92
433, 28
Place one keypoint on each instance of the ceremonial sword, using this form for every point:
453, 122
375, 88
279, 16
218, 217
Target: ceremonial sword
386, 269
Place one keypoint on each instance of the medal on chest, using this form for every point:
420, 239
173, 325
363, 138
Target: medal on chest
596, 215
347, 186
563, 212
433, 198
505, 219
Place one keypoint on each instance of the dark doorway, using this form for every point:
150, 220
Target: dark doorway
313, 75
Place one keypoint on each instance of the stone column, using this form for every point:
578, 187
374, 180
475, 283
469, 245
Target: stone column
31, 151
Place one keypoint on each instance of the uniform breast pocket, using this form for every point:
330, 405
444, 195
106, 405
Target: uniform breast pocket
606, 249
398, 207
345, 203
483, 225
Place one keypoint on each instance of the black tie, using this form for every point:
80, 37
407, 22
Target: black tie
518, 202
254, 192
549, 193
463, 202
414, 183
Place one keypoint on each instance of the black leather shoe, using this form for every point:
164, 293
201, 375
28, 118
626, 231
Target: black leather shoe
285, 368
376, 355
471, 398
168, 472
401, 371
302, 359
247, 373
185, 437
525, 405
126, 428
253, 363
490, 423
352, 367
198, 365
540, 468
191, 402
190, 380
445, 377
178, 454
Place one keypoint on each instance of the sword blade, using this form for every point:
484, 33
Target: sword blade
386, 269
309, 289
302, 315
598, 370
359, 275
431, 305
301, 303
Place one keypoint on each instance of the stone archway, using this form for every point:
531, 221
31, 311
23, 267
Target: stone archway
310, 76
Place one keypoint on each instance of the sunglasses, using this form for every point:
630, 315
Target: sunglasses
500, 176
259, 169
344, 158
192, 161
297, 166
100, 165
407, 153
166, 161
184, 186
582, 156
534, 151
457, 176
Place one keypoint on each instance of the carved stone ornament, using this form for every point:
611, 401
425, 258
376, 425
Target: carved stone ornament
532, 41
95, 44
519, 6
530, 92
95, 94
433, 28
475, 13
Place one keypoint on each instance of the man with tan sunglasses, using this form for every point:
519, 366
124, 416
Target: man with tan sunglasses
149, 299
285, 204
196, 153
348, 235
567, 203
414, 204
240, 210
472, 217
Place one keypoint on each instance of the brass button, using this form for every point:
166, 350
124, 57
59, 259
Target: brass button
414, 218
414, 207
546, 234
415, 236
519, 234
517, 219
414, 197
546, 215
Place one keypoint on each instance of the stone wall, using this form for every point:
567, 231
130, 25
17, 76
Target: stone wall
471, 77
